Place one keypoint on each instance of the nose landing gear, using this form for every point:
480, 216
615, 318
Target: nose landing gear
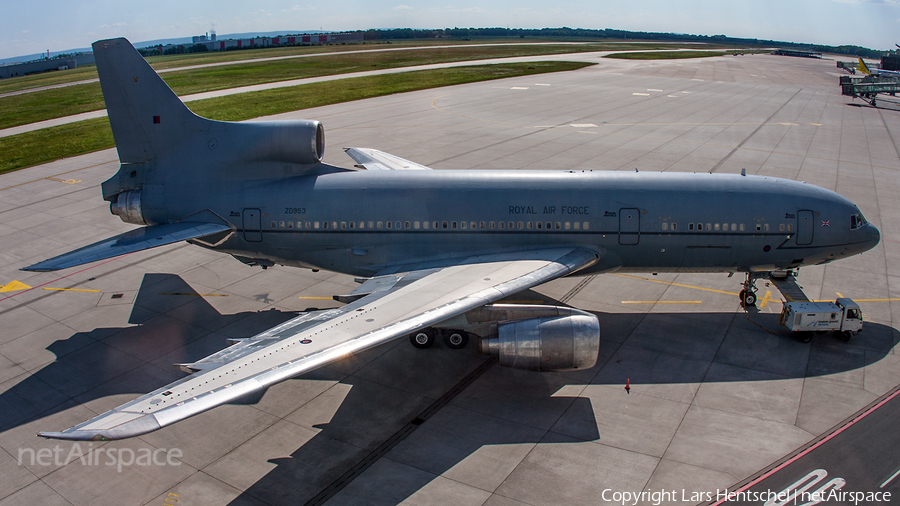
748, 294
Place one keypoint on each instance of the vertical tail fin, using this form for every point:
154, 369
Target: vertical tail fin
864, 68
145, 114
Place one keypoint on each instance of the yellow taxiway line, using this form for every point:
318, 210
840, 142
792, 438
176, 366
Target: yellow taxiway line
677, 284
70, 289
765, 299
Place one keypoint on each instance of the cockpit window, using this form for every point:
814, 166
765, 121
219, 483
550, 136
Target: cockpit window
857, 221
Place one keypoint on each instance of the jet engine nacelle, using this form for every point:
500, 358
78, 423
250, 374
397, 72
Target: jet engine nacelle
560, 343
127, 205
296, 141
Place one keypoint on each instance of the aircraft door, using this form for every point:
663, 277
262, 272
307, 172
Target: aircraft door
252, 225
804, 228
629, 226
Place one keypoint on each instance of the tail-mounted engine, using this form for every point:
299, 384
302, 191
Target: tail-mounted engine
296, 141
127, 205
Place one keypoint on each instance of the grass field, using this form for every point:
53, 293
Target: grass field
45, 145
42, 105
182, 60
48, 104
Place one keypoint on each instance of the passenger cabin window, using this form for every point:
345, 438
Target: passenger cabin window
665, 225
690, 226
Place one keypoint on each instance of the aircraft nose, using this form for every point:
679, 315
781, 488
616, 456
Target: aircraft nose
871, 236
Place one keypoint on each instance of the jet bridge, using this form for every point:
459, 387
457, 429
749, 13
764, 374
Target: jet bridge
868, 87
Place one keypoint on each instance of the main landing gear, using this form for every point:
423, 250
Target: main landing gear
748, 294
454, 339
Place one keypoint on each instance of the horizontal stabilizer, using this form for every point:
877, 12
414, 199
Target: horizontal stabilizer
372, 159
129, 242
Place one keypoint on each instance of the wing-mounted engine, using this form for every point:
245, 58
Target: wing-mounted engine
534, 337
560, 343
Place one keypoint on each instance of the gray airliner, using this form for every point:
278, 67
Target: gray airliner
433, 251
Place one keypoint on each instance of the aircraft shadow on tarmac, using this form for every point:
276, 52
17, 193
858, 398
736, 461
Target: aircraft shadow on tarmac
647, 348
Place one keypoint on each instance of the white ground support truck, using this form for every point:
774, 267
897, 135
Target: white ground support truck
843, 317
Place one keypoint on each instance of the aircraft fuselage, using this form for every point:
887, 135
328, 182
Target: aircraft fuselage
359, 222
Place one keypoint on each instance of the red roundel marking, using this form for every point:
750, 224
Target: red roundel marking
306, 341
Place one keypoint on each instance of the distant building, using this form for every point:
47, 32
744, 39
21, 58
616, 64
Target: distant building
212, 44
57, 63
802, 54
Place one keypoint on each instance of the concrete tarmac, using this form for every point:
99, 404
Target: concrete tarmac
716, 395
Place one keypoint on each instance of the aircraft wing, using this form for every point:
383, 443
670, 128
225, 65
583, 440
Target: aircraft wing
372, 159
399, 301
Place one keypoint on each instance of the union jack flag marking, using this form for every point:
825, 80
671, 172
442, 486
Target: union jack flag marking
826, 223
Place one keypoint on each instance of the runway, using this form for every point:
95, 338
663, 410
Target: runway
717, 395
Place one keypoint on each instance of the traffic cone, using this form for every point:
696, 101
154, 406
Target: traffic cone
628, 386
